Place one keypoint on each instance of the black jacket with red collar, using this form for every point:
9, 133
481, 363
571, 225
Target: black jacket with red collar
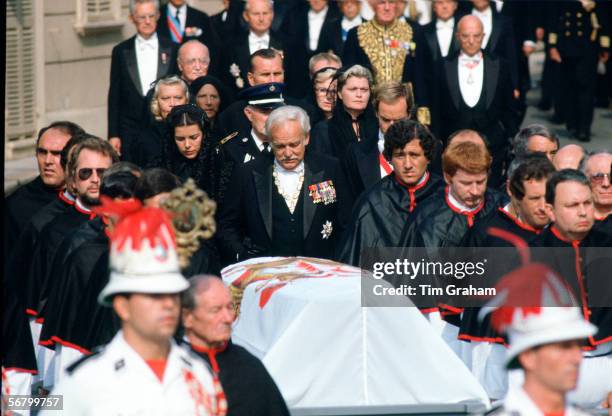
505, 232
586, 266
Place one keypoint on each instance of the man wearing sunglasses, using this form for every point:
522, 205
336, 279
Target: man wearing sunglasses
86, 163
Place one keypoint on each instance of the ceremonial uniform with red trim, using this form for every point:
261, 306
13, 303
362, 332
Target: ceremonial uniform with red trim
116, 380
586, 266
381, 214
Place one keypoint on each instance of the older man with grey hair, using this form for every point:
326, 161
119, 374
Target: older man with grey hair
288, 204
535, 138
208, 314
135, 64
598, 168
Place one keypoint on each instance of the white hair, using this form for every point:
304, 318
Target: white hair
133, 4
288, 113
246, 5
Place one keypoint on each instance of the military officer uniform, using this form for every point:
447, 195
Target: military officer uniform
577, 30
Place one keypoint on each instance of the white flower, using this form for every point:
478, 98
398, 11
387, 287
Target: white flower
327, 230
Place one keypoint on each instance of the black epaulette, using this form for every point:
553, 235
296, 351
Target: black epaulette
70, 369
228, 137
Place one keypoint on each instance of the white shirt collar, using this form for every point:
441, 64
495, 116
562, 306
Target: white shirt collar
68, 195
82, 207
448, 24
485, 13
454, 202
254, 37
182, 9
463, 57
258, 141
282, 171
142, 42
349, 24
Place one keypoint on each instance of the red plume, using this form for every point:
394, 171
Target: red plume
119, 208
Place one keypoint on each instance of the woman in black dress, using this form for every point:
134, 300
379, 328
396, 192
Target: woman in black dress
353, 119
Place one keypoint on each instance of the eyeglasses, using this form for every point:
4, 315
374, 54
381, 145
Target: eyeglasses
144, 18
598, 178
86, 173
203, 62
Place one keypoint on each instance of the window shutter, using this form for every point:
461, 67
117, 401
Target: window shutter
99, 10
20, 98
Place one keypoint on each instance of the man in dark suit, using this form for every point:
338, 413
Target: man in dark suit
439, 42
181, 23
287, 205
135, 64
306, 27
258, 15
477, 93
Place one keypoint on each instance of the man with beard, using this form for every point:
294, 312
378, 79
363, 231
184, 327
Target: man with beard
28, 199
580, 254
73, 265
287, 205
142, 370
208, 315
86, 164
381, 212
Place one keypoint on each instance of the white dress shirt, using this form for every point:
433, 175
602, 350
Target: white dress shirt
499, 5
486, 17
444, 33
289, 179
471, 76
315, 23
147, 51
182, 14
258, 42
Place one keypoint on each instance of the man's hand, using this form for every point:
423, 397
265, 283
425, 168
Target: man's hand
604, 56
554, 55
116, 143
517, 94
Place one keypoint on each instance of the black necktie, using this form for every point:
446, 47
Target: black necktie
266, 147
177, 15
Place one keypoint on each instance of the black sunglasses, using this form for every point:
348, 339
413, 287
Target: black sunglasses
86, 173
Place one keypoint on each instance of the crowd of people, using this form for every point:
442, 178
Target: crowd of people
317, 133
